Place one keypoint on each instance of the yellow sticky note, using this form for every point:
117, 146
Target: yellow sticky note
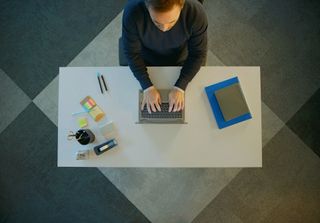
96, 113
82, 122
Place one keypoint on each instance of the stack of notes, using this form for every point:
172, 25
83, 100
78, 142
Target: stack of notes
228, 102
92, 108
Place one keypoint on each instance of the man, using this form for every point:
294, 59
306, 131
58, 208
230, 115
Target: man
164, 33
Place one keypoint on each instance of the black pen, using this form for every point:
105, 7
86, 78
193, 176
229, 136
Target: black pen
99, 82
104, 83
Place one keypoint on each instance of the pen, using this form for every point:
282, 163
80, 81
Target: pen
78, 113
99, 82
104, 83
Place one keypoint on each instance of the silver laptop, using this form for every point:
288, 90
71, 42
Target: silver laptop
163, 116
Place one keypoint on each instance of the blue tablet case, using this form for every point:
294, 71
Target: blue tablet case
210, 91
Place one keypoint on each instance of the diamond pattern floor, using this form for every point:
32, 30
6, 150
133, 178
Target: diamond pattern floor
281, 37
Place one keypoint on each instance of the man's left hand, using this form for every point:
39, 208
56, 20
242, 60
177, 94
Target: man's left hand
176, 100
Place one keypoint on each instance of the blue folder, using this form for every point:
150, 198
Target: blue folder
210, 91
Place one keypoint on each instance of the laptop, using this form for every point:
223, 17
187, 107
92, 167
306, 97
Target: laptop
163, 116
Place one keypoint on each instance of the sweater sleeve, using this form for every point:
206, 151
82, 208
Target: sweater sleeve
197, 50
132, 47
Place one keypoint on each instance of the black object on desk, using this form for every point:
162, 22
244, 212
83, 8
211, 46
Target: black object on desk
98, 76
84, 136
104, 83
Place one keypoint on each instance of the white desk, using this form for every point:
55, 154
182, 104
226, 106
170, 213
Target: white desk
197, 144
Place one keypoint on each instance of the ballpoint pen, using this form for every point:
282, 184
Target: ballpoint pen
98, 76
104, 83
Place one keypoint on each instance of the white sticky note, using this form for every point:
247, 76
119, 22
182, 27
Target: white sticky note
107, 130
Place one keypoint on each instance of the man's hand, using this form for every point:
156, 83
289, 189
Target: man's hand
151, 98
176, 100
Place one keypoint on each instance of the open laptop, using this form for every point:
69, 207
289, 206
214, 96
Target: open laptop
162, 117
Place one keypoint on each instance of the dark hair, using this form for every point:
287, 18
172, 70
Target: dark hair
163, 5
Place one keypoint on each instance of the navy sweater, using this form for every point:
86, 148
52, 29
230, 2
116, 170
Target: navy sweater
184, 44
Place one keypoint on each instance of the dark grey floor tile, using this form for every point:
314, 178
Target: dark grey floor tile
245, 8
37, 37
219, 15
13, 100
231, 39
306, 122
288, 81
223, 209
290, 68
301, 201
284, 158
296, 18
285, 87
239, 45
34, 189
255, 193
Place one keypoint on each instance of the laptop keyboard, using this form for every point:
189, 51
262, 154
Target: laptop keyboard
163, 114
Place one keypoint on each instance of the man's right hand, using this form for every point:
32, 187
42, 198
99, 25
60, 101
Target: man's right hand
151, 98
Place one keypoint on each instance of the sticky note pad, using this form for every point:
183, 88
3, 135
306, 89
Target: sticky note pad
96, 113
91, 102
82, 122
94, 110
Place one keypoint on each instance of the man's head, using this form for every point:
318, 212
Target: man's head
164, 13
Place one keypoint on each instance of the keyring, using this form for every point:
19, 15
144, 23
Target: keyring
70, 136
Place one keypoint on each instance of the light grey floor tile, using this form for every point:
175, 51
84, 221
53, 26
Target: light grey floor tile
103, 50
213, 60
13, 100
47, 100
170, 195
271, 124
